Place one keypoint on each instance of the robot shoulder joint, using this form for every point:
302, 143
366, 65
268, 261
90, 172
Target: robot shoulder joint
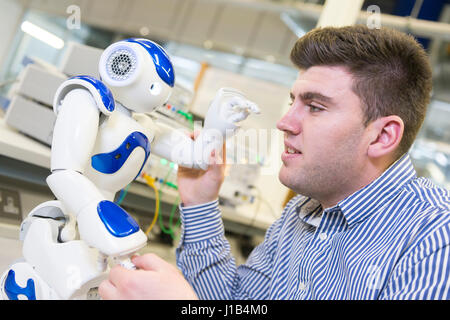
100, 92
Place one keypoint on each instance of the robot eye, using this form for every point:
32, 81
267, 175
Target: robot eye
155, 88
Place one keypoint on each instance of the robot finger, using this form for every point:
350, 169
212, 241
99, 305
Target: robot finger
236, 117
239, 104
253, 107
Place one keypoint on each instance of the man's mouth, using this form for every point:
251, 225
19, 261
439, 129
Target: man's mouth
292, 151
288, 148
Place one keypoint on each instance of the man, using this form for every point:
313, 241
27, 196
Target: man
363, 225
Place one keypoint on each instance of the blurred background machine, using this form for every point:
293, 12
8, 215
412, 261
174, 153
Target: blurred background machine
30, 110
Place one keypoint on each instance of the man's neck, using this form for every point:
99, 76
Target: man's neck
371, 172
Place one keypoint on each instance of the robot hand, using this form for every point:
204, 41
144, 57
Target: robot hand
227, 109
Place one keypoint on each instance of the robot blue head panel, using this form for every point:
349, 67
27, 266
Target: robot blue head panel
162, 62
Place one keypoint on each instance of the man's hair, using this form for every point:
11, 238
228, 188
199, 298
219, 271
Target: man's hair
391, 71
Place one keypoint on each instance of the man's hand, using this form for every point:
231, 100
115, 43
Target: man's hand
199, 186
155, 279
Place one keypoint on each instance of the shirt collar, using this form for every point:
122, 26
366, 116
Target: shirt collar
375, 195
365, 201
309, 210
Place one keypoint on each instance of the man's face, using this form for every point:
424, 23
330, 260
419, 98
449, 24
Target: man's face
325, 145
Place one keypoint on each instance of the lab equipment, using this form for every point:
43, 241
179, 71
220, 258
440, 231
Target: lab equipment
80, 59
101, 141
31, 98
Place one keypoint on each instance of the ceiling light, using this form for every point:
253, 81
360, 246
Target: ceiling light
42, 34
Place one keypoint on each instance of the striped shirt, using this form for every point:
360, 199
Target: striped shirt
389, 240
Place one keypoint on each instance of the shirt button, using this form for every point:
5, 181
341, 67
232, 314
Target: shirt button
302, 286
323, 236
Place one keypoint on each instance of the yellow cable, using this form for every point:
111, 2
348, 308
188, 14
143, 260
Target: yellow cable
151, 183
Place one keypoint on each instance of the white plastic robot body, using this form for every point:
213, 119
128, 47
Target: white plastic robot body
91, 128
67, 270
21, 282
93, 148
52, 268
98, 148
115, 133
103, 158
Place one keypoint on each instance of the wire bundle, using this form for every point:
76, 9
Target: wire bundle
172, 228
150, 181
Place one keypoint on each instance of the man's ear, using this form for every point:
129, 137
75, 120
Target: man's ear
385, 134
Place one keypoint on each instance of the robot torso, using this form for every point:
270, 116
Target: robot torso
120, 152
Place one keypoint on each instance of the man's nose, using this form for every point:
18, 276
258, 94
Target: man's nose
290, 122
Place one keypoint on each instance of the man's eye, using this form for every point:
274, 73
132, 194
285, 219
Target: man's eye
314, 108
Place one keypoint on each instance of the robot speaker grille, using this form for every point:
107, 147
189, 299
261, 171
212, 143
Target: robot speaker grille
121, 64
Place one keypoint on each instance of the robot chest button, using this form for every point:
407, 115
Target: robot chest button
111, 162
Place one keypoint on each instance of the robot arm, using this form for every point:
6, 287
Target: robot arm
172, 144
75, 131
74, 135
228, 108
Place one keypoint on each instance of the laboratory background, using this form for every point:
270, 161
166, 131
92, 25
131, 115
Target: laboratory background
243, 44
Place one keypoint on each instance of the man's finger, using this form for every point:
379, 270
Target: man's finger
117, 274
149, 262
108, 291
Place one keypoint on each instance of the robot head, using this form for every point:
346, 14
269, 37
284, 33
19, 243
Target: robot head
138, 72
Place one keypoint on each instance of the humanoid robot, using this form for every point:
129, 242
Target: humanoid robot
101, 141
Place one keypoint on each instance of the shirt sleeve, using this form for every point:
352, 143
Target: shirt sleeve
423, 273
205, 259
